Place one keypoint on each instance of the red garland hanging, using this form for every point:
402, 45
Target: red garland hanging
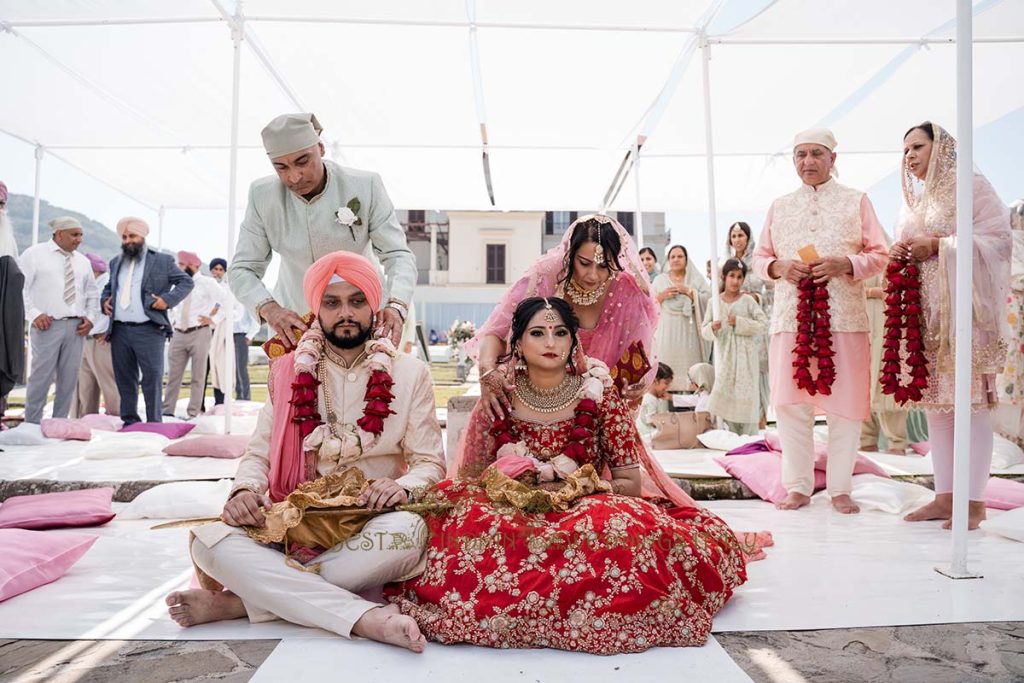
580, 446
813, 338
378, 399
903, 326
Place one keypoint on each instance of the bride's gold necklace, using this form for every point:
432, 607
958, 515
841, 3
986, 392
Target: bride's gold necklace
550, 400
580, 296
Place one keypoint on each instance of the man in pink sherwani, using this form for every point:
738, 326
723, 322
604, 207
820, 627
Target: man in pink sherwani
840, 224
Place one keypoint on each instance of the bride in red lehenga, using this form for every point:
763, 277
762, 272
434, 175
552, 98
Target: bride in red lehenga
546, 541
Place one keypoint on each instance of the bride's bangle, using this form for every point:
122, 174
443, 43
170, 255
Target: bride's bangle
488, 372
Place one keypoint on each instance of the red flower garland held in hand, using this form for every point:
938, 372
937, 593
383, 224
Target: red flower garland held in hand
813, 339
903, 330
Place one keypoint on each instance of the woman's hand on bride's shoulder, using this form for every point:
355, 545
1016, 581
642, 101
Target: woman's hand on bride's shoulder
495, 392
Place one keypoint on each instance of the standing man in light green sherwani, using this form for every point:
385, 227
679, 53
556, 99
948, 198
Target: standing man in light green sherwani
313, 207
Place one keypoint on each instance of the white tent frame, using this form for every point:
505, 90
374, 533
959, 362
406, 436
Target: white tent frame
964, 40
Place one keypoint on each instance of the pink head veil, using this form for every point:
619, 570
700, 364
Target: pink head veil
630, 314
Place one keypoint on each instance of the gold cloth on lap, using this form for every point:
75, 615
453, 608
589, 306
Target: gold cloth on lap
502, 489
288, 523
312, 516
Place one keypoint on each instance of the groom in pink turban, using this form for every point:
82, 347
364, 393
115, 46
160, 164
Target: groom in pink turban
291, 446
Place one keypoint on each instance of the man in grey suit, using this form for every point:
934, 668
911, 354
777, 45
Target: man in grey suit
310, 208
143, 285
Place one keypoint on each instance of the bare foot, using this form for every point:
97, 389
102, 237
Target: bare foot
940, 508
793, 500
975, 516
869, 449
189, 608
388, 625
845, 505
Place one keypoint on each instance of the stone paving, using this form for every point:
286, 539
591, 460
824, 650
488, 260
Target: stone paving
948, 653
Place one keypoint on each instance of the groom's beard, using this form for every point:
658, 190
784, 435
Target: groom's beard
349, 338
131, 250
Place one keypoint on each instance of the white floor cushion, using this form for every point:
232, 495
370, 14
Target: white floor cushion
872, 492
1005, 453
126, 445
179, 500
1009, 524
25, 434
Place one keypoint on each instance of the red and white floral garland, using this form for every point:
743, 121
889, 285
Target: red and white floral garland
344, 442
903, 328
813, 339
580, 449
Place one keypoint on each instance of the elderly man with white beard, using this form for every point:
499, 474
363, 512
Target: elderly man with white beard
12, 307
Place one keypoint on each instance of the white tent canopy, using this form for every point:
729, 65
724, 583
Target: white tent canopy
155, 99
564, 88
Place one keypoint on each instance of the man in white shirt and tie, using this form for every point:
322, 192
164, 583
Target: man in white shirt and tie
61, 301
193, 323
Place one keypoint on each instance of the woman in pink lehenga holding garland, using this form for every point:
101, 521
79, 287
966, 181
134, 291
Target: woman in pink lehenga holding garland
927, 236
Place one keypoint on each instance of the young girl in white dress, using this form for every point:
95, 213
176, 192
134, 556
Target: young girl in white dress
735, 398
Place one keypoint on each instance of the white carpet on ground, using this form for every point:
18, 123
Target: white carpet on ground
62, 461
699, 463
363, 660
829, 570
691, 463
117, 590
825, 571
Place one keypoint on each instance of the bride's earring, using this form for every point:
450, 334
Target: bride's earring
520, 361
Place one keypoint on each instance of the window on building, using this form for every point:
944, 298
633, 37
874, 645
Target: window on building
625, 218
416, 222
495, 264
555, 222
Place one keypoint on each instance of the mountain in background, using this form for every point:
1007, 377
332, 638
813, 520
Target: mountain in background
97, 238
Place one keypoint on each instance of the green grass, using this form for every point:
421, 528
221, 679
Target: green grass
443, 375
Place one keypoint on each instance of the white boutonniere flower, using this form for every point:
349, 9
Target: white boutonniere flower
348, 215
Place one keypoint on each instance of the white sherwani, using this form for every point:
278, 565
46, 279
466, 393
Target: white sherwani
408, 451
279, 221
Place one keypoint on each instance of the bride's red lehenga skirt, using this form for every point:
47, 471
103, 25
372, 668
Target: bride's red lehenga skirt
612, 574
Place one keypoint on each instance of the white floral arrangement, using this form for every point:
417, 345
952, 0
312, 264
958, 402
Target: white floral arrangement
460, 332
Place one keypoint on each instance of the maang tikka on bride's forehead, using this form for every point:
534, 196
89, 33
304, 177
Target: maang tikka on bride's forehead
550, 317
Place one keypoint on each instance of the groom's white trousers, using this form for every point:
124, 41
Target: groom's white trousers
389, 548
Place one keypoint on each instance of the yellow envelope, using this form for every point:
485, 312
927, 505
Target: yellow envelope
808, 254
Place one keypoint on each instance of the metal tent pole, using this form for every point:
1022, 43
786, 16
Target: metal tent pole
964, 292
35, 200
709, 155
237, 36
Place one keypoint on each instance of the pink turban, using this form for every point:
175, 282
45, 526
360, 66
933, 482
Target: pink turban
189, 258
97, 263
136, 225
348, 266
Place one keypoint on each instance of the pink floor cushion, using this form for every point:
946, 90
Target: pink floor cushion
762, 474
862, 465
921, 448
1004, 494
104, 423
210, 446
32, 558
172, 430
63, 428
86, 507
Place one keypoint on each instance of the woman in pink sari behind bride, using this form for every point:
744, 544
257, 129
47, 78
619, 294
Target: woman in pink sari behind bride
597, 269
546, 540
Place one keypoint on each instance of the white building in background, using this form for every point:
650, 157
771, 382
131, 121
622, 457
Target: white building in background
468, 259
